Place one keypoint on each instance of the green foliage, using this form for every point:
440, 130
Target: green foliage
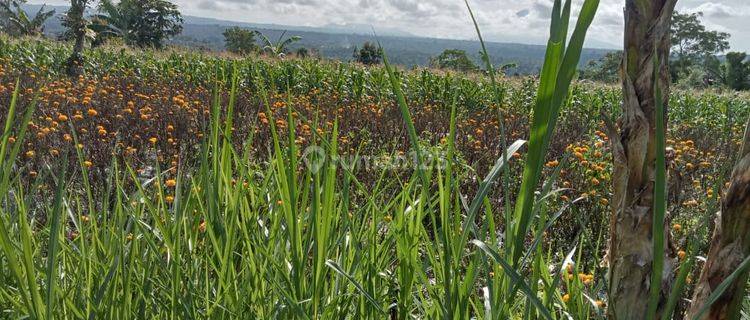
737, 71
75, 22
369, 54
302, 53
279, 48
141, 23
691, 42
453, 59
16, 22
606, 69
240, 41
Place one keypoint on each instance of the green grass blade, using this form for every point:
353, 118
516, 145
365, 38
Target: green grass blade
511, 273
660, 199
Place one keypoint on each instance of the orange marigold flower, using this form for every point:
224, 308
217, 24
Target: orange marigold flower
681, 254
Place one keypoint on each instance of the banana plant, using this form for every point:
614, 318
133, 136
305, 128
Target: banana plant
278, 48
19, 23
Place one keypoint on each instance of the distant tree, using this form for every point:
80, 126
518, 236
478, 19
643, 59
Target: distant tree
606, 69
141, 23
302, 53
453, 59
77, 29
240, 41
692, 43
280, 47
737, 71
16, 22
370, 54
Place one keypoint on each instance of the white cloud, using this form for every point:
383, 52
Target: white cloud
720, 10
525, 21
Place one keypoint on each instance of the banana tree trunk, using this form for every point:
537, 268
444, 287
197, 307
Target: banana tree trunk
630, 255
730, 245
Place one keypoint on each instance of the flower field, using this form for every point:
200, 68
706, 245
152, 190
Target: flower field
180, 186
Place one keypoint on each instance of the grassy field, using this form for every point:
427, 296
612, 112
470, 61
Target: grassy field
177, 185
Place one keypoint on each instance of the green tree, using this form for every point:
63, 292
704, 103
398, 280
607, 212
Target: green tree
370, 54
16, 22
692, 43
141, 23
240, 41
606, 69
453, 59
737, 71
302, 53
77, 29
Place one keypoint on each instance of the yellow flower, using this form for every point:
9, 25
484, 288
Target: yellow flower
152, 140
62, 118
169, 199
30, 154
676, 227
88, 164
566, 298
92, 112
171, 183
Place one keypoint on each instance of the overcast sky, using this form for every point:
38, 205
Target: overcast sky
524, 21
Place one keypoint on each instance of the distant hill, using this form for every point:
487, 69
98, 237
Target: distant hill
339, 41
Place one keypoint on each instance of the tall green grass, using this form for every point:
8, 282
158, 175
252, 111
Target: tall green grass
273, 238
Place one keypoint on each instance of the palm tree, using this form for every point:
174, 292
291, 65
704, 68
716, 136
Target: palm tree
279, 48
18, 23
634, 146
